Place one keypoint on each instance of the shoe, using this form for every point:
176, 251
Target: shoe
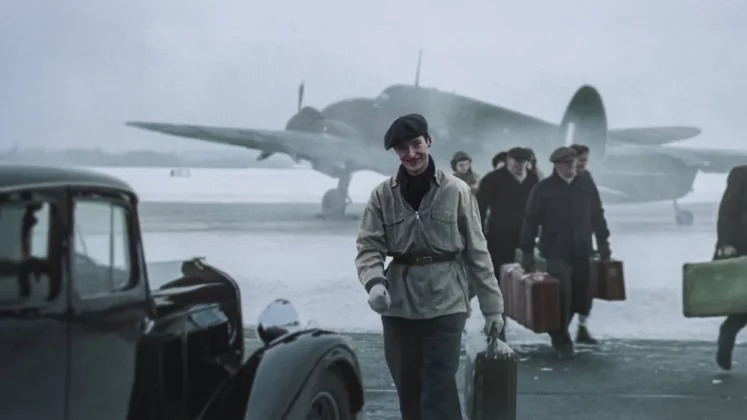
565, 351
583, 336
724, 352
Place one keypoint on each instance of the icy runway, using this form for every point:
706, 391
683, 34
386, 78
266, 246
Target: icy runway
261, 226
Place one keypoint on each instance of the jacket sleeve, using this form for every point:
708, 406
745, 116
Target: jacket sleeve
477, 258
483, 195
532, 218
598, 221
371, 242
728, 210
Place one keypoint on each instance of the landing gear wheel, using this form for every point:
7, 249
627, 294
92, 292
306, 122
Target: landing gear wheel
684, 218
331, 400
334, 203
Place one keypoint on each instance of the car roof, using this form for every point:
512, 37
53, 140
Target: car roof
15, 177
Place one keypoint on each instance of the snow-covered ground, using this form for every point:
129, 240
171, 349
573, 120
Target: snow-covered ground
315, 269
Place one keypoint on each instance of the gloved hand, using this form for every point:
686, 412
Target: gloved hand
726, 251
378, 299
493, 325
604, 251
527, 261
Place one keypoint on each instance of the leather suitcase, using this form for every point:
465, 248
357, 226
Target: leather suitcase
714, 288
490, 380
505, 282
608, 280
540, 302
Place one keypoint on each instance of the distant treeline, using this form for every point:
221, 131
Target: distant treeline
141, 158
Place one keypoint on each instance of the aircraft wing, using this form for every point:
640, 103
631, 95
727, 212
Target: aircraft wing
653, 136
713, 160
329, 154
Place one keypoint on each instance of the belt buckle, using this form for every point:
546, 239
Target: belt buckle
423, 260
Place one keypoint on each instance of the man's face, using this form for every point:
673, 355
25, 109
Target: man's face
517, 167
566, 167
414, 154
463, 166
583, 160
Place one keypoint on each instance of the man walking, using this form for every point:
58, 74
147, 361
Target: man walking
429, 222
732, 242
461, 164
564, 205
584, 310
502, 198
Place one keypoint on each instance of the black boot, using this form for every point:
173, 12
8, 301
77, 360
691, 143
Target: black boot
584, 337
725, 349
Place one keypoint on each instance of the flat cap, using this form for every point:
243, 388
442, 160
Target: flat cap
562, 153
519, 153
405, 128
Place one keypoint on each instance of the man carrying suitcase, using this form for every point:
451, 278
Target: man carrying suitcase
502, 198
584, 310
732, 242
566, 207
429, 222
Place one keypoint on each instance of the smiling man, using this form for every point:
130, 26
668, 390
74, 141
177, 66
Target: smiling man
428, 221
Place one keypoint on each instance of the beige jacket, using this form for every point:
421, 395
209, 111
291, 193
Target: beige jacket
448, 221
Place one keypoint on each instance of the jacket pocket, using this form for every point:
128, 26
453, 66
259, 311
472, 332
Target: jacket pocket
443, 230
394, 232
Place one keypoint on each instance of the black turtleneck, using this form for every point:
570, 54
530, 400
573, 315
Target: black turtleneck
414, 187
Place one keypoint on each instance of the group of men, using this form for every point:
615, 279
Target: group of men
431, 223
511, 223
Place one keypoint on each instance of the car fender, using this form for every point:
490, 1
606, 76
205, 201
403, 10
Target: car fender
288, 371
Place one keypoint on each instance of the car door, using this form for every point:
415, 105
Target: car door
110, 305
33, 305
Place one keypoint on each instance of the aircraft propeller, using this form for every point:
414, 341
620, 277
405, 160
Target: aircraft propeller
264, 155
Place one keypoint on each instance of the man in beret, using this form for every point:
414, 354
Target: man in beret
429, 222
567, 208
502, 198
584, 310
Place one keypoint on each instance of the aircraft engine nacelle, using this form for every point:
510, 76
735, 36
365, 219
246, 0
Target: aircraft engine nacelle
330, 168
585, 122
310, 120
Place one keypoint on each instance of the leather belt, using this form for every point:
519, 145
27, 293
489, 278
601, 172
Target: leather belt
408, 259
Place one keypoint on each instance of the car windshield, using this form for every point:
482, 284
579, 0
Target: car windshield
24, 235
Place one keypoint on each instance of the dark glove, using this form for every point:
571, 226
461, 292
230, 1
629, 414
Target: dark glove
603, 251
527, 261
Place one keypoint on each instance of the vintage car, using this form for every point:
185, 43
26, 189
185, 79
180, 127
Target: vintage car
87, 333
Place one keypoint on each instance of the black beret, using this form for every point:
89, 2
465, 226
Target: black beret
405, 128
519, 153
562, 153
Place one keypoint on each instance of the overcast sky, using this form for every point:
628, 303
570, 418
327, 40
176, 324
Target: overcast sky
73, 70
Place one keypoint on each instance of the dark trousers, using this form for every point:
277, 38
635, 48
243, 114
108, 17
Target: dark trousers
575, 293
423, 358
731, 327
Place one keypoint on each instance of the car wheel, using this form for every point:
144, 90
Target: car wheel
330, 400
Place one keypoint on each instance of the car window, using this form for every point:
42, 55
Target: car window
101, 258
24, 266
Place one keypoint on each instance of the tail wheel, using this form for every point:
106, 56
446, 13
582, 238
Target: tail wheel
331, 399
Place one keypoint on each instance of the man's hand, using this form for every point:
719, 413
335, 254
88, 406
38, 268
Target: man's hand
493, 325
527, 261
726, 251
604, 251
378, 299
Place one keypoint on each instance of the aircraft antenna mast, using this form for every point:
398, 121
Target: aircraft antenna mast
417, 70
300, 95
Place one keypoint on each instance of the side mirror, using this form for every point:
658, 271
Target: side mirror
277, 319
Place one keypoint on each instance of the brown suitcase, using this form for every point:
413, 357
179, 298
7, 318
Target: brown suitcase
541, 302
608, 280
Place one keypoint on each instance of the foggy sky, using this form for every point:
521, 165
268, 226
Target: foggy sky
74, 70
